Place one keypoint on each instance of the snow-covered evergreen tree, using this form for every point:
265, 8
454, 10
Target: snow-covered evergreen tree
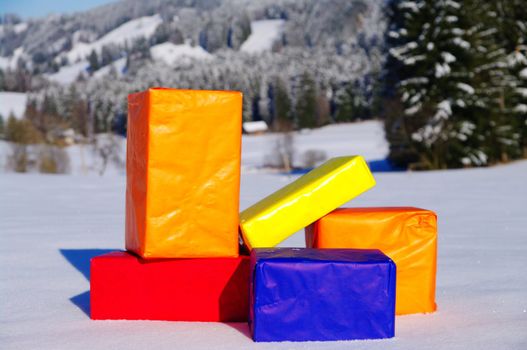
448, 70
306, 102
512, 15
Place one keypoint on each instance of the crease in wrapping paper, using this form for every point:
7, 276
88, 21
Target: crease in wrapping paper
183, 173
407, 235
124, 286
300, 294
291, 208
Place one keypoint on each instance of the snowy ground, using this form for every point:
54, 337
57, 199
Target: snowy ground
481, 282
12, 103
263, 35
365, 138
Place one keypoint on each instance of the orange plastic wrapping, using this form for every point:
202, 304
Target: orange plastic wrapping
407, 235
183, 173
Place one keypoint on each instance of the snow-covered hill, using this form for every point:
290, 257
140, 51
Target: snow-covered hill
50, 226
68, 74
264, 34
139, 27
171, 53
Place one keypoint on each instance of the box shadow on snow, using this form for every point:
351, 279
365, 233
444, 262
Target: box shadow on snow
80, 259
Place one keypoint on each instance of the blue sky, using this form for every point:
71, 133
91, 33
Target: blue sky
39, 8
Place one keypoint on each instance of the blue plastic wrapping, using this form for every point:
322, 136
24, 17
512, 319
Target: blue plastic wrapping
300, 294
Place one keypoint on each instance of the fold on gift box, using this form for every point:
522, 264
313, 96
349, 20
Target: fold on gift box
407, 235
276, 217
183, 173
125, 286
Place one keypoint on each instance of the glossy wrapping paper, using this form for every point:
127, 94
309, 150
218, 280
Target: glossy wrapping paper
281, 214
183, 173
300, 294
407, 235
124, 286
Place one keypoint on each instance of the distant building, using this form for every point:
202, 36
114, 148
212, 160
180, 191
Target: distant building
258, 127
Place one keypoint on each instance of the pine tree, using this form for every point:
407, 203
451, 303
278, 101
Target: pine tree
282, 120
93, 60
345, 100
429, 57
1, 127
306, 103
512, 16
350, 104
455, 67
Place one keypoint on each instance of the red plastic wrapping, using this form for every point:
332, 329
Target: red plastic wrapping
124, 286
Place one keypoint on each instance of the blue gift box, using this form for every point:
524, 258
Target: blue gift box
300, 294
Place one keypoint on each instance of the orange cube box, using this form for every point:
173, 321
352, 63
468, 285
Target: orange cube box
407, 235
183, 173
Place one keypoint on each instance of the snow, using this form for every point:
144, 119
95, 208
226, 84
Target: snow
448, 57
119, 66
12, 102
461, 43
263, 34
481, 279
520, 108
452, 4
522, 91
139, 27
523, 73
254, 127
11, 61
20, 27
441, 70
411, 5
467, 88
444, 110
364, 138
171, 53
68, 74
412, 110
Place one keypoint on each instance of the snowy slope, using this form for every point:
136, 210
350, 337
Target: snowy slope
119, 66
263, 34
170, 53
481, 279
12, 102
11, 61
139, 27
68, 74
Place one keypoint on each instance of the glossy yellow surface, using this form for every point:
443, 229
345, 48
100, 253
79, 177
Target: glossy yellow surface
407, 235
276, 217
183, 173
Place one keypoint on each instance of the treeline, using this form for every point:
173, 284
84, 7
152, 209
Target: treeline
455, 77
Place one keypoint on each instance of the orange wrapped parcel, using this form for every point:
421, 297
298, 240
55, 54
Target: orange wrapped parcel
407, 235
183, 173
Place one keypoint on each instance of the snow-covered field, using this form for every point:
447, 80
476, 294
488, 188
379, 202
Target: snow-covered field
365, 138
51, 225
12, 102
263, 34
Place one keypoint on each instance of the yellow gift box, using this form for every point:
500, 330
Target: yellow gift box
293, 207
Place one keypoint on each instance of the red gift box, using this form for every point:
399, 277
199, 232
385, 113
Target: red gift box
124, 286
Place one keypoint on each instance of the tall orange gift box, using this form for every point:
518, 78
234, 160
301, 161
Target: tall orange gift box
407, 235
183, 173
